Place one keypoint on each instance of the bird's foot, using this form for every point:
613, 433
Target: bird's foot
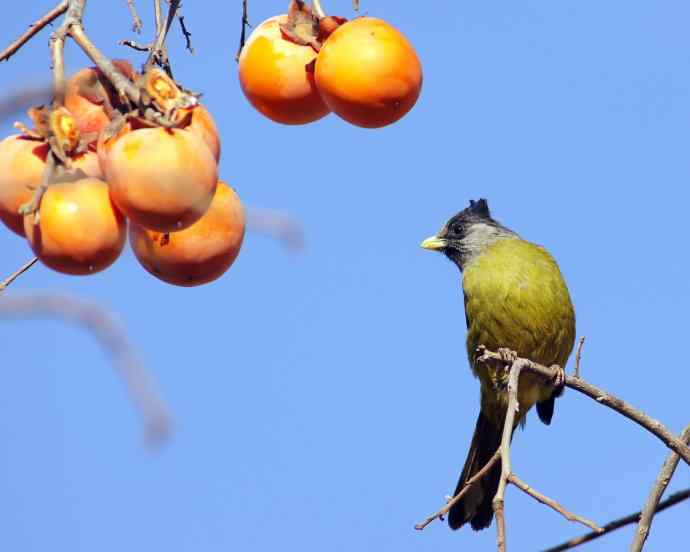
558, 378
507, 355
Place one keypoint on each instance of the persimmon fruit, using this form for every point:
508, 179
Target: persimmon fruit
161, 179
88, 94
368, 73
79, 230
199, 254
22, 162
274, 78
203, 125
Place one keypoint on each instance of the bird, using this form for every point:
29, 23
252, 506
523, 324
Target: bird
516, 301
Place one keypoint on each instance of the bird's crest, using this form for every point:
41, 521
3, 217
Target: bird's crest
479, 207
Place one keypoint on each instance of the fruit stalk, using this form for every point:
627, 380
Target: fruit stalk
317, 9
157, 52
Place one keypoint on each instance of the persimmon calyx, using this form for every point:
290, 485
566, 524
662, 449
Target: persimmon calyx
160, 91
58, 128
305, 28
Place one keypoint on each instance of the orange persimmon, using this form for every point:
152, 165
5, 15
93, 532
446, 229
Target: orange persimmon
368, 73
274, 78
79, 230
162, 179
22, 162
202, 124
200, 253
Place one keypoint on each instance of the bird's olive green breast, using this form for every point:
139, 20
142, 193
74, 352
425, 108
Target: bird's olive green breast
516, 297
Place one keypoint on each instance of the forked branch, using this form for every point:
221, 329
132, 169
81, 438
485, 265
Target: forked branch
678, 445
655, 427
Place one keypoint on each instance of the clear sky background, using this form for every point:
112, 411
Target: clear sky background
323, 401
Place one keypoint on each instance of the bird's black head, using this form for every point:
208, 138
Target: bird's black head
467, 233
457, 227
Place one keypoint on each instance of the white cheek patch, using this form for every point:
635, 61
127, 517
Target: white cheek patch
480, 234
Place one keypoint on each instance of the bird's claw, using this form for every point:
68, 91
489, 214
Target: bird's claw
559, 377
507, 355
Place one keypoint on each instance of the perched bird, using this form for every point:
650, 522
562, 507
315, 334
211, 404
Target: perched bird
515, 299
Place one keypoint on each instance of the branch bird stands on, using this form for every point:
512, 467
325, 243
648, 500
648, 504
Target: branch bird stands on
516, 366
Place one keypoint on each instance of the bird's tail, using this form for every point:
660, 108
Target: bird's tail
476, 505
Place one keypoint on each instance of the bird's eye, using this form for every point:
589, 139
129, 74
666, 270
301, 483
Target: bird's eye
456, 229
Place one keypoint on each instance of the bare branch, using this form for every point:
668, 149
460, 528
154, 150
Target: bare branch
672, 500
34, 29
650, 507
98, 321
157, 53
602, 397
136, 20
470, 483
243, 33
16, 274
515, 480
57, 51
578, 356
317, 10
135, 45
123, 85
31, 207
504, 449
187, 35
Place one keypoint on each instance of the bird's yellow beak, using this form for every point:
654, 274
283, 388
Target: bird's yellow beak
434, 243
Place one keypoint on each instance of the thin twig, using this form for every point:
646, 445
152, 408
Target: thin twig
503, 453
602, 397
32, 207
33, 29
187, 35
468, 485
122, 84
113, 337
317, 10
157, 52
135, 45
16, 274
504, 449
578, 356
57, 51
650, 507
243, 33
672, 500
136, 20
520, 484
160, 32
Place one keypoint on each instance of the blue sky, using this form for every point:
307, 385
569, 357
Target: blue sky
323, 401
